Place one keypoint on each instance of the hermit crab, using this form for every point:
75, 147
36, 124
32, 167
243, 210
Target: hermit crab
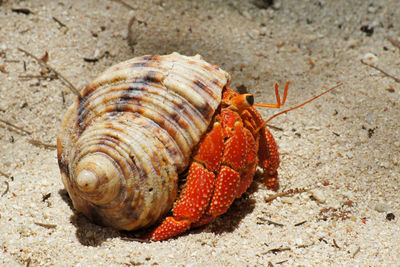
141, 124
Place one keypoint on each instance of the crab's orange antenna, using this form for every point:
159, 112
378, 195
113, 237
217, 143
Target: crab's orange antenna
278, 98
290, 109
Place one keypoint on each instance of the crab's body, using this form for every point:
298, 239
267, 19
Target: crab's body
223, 165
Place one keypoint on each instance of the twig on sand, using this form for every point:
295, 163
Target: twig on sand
59, 22
269, 222
276, 250
22, 10
46, 197
21, 131
46, 225
15, 128
141, 240
300, 223
7, 188
394, 42
274, 127
356, 252
274, 223
335, 244
41, 144
44, 64
124, 4
40, 77
131, 40
381, 70
287, 193
95, 59
4, 174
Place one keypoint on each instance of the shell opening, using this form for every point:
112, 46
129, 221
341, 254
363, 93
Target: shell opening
97, 177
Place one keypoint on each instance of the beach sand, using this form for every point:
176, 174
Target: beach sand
344, 146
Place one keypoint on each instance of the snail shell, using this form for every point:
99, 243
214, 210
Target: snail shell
131, 132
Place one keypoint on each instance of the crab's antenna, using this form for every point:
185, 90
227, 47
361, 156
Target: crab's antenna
290, 109
278, 98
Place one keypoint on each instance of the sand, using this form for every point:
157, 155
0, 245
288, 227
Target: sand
345, 145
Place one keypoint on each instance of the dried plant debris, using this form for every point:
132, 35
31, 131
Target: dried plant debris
22, 10
300, 223
395, 42
132, 39
45, 65
356, 252
335, 244
46, 197
262, 220
4, 174
333, 213
281, 249
7, 188
14, 128
46, 225
96, 58
287, 193
59, 22
124, 4
381, 70
41, 144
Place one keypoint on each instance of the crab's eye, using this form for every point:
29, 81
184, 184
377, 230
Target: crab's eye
250, 99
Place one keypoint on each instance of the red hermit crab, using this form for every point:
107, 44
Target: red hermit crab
143, 122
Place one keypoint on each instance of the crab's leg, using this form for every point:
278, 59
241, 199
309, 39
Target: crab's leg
191, 204
268, 156
247, 175
233, 178
196, 195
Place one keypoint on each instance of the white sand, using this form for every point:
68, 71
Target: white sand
349, 139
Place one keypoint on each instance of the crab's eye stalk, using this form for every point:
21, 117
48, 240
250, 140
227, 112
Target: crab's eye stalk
250, 99
242, 102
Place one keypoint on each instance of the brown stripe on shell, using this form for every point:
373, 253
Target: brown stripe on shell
150, 57
217, 83
142, 118
145, 61
80, 121
206, 109
88, 90
202, 86
63, 166
150, 77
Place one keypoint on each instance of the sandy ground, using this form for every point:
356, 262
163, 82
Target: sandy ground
346, 143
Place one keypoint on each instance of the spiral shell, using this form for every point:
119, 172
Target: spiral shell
129, 135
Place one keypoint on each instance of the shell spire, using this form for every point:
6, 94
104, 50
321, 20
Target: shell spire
124, 142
